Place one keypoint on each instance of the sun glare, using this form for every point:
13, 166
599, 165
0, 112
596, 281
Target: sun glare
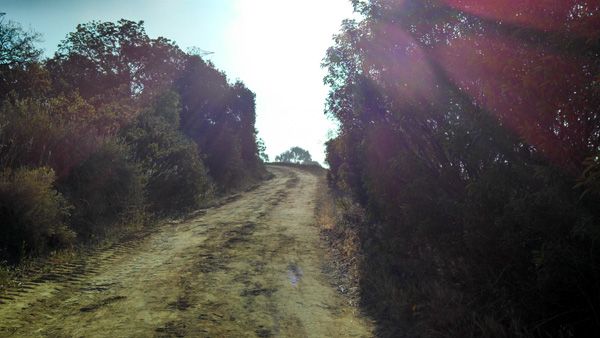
277, 45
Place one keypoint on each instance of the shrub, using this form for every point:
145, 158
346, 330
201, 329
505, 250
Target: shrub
177, 178
181, 183
33, 213
58, 132
106, 190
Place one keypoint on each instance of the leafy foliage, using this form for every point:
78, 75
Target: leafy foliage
590, 178
20, 71
463, 140
130, 124
294, 155
109, 61
34, 215
176, 177
18, 46
57, 132
220, 118
262, 151
107, 190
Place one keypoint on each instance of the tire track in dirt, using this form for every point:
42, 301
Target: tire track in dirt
249, 267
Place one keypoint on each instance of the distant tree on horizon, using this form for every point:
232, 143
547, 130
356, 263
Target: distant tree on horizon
262, 150
295, 155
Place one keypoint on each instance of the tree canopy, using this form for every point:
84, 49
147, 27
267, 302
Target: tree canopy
294, 155
20, 71
116, 59
18, 46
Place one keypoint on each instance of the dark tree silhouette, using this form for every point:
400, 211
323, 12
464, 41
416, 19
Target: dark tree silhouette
220, 118
470, 135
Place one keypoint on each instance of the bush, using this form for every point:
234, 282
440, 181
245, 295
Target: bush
482, 213
224, 160
177, 178
33, 213
181, 183
58, 132
106, 190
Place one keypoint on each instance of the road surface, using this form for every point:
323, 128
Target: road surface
252, 267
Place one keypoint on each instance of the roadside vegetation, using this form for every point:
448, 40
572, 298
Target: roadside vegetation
116, 130
466, 166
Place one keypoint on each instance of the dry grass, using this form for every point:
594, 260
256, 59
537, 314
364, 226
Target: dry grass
29, 268
342, 238
404, 294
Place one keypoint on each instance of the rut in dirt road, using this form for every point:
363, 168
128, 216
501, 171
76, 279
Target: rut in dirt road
249, 268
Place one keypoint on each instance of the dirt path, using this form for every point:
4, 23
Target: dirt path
251, 267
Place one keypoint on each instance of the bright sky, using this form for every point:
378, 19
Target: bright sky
274, 46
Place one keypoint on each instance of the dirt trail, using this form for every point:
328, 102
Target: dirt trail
249, 268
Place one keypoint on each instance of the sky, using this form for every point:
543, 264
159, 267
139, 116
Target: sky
274, 46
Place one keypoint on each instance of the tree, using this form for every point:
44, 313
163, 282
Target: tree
294, 155
262, 150
176, 176
20, 71
220, 118
17, 47
242, 114
115, 60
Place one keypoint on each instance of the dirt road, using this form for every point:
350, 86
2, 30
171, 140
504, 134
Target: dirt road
250, 267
